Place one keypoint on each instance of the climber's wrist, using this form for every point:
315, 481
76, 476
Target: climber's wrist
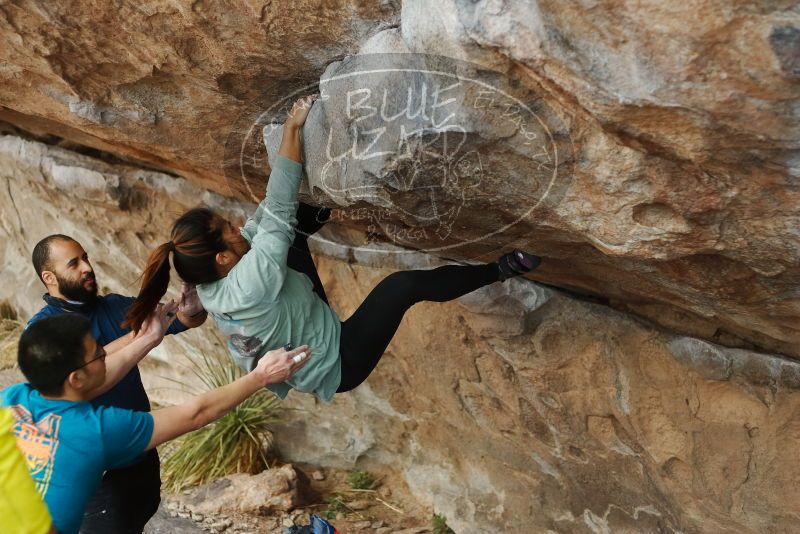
291, 142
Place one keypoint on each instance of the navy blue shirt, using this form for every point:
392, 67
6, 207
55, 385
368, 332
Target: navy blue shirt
106, 316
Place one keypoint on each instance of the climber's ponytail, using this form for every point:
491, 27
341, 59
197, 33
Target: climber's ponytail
155, 280
197, 237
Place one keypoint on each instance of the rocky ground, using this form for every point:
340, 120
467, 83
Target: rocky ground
386, 509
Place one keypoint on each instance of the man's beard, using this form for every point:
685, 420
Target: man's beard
75, 289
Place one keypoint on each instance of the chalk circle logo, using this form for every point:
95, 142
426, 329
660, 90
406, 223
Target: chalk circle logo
416, 148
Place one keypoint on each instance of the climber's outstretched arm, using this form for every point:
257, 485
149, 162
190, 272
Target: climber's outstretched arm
291, 146
260, 273
283, 189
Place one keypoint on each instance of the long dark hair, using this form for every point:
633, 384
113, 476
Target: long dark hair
196, 238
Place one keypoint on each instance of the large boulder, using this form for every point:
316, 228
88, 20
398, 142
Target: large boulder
653, 163
663, 181
517, 409
280, 489
561, 415
650, 152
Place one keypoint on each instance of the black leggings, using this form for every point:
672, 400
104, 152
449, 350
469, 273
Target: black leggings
367, 333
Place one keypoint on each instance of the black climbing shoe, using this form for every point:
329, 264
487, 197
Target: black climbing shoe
516, 263
311, 218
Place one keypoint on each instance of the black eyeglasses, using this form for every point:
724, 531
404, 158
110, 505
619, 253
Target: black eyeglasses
84, 364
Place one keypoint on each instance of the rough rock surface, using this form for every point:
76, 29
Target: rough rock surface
162, 523
277, 489
517, 408
118, 213
563, 415
166, 82
663, 175
665, 184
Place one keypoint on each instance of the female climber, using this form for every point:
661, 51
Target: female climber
260, 284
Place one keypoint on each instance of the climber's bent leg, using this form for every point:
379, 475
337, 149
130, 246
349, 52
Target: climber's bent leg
309, 220
299, 258
367, 333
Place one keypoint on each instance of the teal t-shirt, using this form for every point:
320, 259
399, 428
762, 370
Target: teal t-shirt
262, 304
69, 445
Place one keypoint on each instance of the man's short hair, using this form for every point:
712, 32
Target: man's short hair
50, 349
41, 252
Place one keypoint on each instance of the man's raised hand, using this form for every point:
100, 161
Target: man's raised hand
156, 324
278, 365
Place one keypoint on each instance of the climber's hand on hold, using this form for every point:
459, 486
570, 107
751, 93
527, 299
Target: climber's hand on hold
190, 310
299, 113
291, 146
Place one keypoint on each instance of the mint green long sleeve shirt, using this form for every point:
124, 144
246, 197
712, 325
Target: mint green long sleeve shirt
262, 304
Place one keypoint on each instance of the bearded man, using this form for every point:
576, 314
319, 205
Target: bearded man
129, 495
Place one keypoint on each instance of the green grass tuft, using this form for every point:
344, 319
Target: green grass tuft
236, 443
7, 311
360, 480
336, 506
440, 525
10, 330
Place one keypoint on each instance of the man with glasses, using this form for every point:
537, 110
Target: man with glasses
129, 495
69, 443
